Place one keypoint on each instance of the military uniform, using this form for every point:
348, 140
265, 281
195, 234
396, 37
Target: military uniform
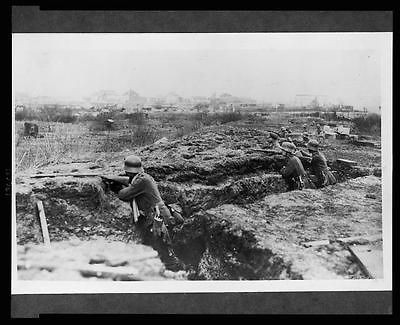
319, 168
153, 218
295, 175
144, 190
276, 146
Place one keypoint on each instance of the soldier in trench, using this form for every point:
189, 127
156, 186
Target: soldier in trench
283, 132
321, 175
274, 142
155, 220
320, 133
293, 173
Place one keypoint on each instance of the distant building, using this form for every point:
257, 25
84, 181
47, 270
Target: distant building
280, 107
351, 114
133, 102
199, 99
230, 103
173, 98
155, 101
202, 108
106, 97
346, 108
314, 104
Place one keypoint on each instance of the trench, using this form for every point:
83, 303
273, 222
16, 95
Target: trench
208, 248
211, 250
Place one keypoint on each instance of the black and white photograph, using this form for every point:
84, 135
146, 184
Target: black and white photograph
201, 162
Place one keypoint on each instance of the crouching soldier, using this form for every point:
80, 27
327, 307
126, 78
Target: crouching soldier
274, 142
155, 219
294, 173
321, 175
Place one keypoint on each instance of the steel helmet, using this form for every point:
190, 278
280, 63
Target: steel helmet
273, 135
288, 147
313, 145
133, 164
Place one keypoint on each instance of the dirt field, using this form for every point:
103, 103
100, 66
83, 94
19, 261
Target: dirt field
240, 223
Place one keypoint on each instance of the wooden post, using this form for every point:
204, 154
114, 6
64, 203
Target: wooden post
43, 223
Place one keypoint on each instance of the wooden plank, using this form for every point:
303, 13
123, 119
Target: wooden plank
349, 240
63, 175
346, 161
43, 223
370, 259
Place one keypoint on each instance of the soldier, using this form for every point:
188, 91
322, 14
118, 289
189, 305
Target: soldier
321, 175
319, 129
155, 220
305, 137
283, 132
320, 133
275, 142
294, 173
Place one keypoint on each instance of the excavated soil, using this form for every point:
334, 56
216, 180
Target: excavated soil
240, 223
265, 239
76, 260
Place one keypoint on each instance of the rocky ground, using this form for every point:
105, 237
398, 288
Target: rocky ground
239, 221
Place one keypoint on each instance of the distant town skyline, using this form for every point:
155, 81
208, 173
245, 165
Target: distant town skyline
341, 68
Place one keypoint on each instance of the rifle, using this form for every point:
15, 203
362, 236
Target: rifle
109, 179
112, 180
120, 179
115, 183
267, 151
306, 154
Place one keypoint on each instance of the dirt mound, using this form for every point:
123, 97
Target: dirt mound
264, 240
215, 154
74, 207
96, 259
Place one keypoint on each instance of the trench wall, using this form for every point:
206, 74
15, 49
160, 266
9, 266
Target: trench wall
84, 208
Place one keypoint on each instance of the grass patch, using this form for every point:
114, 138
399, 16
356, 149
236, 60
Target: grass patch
57, 141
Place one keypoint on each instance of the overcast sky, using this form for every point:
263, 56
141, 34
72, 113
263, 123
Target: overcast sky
340, 67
